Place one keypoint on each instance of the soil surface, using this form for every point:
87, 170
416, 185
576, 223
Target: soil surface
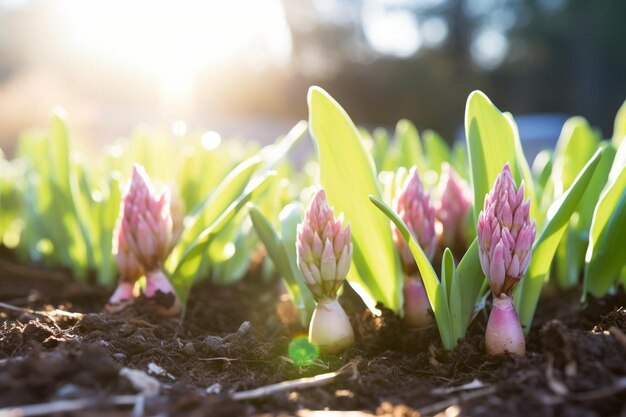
58, 349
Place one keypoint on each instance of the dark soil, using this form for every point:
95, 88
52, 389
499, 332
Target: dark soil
575, 365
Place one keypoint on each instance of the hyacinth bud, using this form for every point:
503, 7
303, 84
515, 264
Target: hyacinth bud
145, 239
505, 234
505, 239
324, 249
324, 252
130, 271
177, 210
452, 207
147, 222
412, 203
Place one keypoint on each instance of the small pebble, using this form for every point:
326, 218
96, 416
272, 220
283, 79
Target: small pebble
188, 349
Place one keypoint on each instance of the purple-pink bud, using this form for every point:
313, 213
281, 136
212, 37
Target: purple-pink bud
452, 207
147, 222
417, 311
505, 234
323, 248
412, 203
129, 268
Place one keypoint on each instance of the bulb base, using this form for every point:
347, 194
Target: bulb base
504, 332
330, 329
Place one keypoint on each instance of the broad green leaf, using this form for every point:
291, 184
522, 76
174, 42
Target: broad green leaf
605, 253
282, 252
598, 182
619, 129
524, 171
492, 141
448, 272
542, 168
577, 143
459, 160
381, 146
466, 290
214, 205
436, 149
195, 254
434, 289
348, 175
409, 144
527, 293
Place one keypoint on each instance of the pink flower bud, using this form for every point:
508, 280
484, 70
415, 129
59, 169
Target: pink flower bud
417, 312
505, 234
324, 253
147, 222
323, 248
130, 270
145, 239
452, 207
412, 203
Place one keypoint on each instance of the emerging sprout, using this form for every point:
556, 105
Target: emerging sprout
324, 253
130, 271
412, 203
505, 238
146, 230
452, 207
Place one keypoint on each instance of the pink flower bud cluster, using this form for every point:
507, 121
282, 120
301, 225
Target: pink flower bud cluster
452, 207
505, 234
147, 223
324, 249
143, 238
413, 205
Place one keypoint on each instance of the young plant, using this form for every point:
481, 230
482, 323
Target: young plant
147, 231
492, 141
413, 205
348, 175
324, 255
282, 251
505, 238
452, 207
605, 254
453, 297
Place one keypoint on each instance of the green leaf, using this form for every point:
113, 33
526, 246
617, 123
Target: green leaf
492, 141
214, 205
459, 160
434, 289
282, 252
437, 150
410, 145
619, 129
348, 175
195, 254
605, 253
527, 293
465, 290
577, 143
542, 168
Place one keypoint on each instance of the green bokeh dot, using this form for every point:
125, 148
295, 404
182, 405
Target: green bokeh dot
302, 352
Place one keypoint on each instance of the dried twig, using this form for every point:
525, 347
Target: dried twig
442, 405
219, 358
65, 406
49, 314
316, 381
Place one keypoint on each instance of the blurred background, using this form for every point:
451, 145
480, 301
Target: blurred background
242, 67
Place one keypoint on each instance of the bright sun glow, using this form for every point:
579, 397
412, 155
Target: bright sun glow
173, 41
